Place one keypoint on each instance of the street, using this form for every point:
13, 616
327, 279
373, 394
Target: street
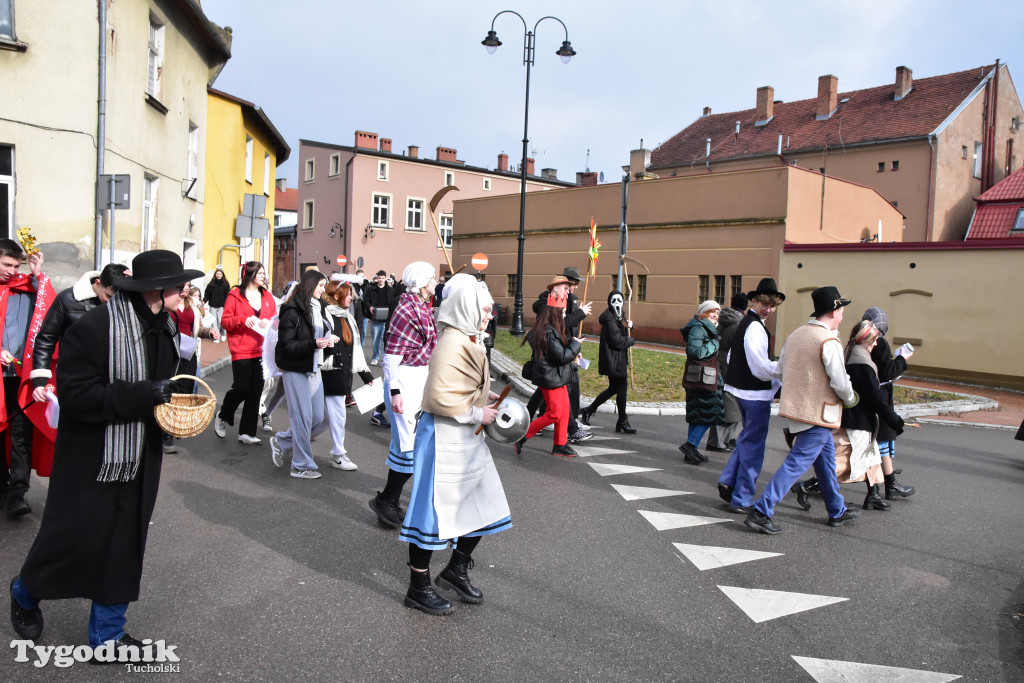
255, 575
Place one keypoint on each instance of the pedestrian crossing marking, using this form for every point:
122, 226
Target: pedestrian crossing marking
706, 557
643, 492
764, 605
835, 671
606, 470
663, 521
587, 451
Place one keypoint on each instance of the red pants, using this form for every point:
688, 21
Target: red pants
557, 402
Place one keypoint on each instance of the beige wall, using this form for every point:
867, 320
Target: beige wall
955, 332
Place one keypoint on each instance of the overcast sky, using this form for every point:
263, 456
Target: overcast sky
415, 71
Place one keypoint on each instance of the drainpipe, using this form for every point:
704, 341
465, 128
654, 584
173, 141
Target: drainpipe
101, 132
931, 189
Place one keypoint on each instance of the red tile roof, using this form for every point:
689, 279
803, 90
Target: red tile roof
870, 115
998, 208
287, 200
1010, 188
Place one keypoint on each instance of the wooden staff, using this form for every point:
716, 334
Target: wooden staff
501, 397
432, 206
629, 317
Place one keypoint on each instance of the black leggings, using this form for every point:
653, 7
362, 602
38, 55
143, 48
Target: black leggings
246, 388
616, 387
420, 558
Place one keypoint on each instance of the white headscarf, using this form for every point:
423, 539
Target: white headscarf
461, 308
417, 274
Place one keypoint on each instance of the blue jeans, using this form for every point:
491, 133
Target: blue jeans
811, 446
745, 462
696, 432
378, 339
106, 622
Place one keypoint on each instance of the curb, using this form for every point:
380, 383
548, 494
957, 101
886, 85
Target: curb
508, 368
213, 367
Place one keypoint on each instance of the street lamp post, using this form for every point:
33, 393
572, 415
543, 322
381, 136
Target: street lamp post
566, 52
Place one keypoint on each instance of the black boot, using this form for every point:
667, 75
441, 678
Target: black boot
518, 445
811, 486
422, 595
894, 490
690, 453
802, 499
873, 500
456, 577
623, 426
584, 417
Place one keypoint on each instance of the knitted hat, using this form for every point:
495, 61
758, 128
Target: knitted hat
708, 305
879, 318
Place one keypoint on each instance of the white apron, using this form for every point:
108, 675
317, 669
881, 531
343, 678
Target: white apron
411, 381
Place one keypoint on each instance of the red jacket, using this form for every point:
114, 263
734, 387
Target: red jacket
244, 342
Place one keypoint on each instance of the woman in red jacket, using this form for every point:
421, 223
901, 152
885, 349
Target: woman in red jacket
248, 311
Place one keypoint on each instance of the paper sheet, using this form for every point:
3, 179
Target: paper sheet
369, 396
52, 409
584, 363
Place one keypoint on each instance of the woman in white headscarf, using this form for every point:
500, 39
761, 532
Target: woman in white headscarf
457, 496
411, 338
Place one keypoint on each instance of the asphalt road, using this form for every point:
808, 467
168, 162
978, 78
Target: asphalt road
255, 575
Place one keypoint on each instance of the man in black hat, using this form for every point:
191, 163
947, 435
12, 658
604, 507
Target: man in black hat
750, 379
114, 364
815, 387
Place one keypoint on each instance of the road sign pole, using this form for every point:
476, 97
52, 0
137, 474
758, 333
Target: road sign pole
113, 201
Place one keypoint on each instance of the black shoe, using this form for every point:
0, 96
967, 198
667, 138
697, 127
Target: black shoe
725, 492
898, 470
842, 519
789, 436
518, 445
732, 444
17, 506
690, 453
584, 417
741, 510
114, 653
388, 511
811, 487
565, 451
719, 449
624, 426
456, 577
579, 436
873, 501
759, 522
893, 490
27, 623
802, 498
422, 596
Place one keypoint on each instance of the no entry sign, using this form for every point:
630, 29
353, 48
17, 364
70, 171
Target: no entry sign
342, 260
479, 261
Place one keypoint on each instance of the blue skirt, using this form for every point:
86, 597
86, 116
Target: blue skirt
420, 525
398, 460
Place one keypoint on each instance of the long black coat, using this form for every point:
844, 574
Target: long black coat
873, 410
613, 359
92, 538
889, 368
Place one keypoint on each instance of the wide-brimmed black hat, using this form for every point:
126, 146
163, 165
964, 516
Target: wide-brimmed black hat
766, 286
572, 273
155, 270
826, 300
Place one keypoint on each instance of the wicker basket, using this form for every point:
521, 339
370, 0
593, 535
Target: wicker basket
187, 414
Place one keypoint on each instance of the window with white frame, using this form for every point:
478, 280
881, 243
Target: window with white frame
6, 190
307, 215
381, 217
7, 19
414, 214
150, 188
248, 159
1018, 225
266, 174
309, 169
382, 170
487, 184
154, 81
447, 227
335, 167
449, 178
977, 159
192, 175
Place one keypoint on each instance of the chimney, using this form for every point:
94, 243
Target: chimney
385, 144
529, 166
282, 184
587, 179
446, 154
366, 140
639, 160
549, 173
765, 105
827, 96
414, 152
502, 162
904, 82
707, 111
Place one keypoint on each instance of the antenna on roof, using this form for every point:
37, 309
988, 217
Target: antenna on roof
587, 165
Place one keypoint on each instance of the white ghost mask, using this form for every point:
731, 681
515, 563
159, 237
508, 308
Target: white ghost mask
616, 304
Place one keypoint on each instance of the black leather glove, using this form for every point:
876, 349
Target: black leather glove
161, 391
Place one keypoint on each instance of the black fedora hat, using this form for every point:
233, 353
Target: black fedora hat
766, 286
826, 300
155, 270
572, 273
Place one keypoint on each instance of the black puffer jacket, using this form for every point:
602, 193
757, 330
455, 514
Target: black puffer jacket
889, 368
556, 368
613, 358
296, 338
217, 292
67, 308
872, 405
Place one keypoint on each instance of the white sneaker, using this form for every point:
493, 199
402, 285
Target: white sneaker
276, 452
373, 362
220, 427
306, 474
265, 420
249, 440
342, 462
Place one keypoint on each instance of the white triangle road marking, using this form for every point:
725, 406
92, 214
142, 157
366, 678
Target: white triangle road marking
643, 492
587, 451
706, 557
606, 470
835, 671
671, 520
764, 605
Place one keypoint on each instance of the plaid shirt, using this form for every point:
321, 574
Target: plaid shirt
412, 333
